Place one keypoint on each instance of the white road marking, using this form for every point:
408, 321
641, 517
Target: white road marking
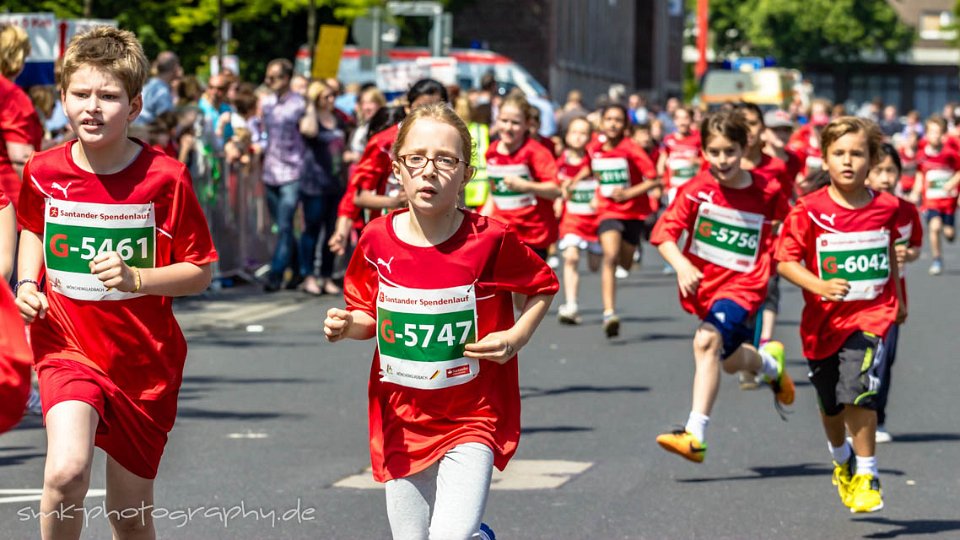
30, 495
248, 435
223, 314
521, 474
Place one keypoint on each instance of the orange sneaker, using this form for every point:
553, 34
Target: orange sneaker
783, 387
683, 443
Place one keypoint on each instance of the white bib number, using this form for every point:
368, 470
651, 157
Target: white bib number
727, 237
936, 184
613, 173
582, 197
503, 197
862, 258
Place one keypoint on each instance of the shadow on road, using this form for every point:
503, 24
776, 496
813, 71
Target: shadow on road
18, 459
925, 437
782, 471
911, 527
186, 412
531, 391
554, 429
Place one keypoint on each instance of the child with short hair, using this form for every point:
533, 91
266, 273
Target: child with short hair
114, 229
837, 244
680, 160
722, 273
433, 284
938, 175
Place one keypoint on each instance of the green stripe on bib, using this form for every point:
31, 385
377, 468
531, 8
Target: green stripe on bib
425, 337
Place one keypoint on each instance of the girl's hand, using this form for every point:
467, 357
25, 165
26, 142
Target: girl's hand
516, 184
688, 279
900, 250
31, 302
618, 195
496, 346
834, 290
336, 324
113, 272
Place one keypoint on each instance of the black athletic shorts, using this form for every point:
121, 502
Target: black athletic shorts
850, 376
630, 229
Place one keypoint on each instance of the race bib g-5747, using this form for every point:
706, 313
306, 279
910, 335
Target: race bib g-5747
421, 335
612, 172
863, 259
75, 232
503, 197
727, 237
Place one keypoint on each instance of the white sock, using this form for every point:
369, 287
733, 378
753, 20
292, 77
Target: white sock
572, 306
768, 365
841, 453
697, 425
867, 465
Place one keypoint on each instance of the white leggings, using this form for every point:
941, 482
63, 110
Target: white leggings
456, 487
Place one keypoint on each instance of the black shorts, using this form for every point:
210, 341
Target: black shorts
772, 302
850, 376
630, 229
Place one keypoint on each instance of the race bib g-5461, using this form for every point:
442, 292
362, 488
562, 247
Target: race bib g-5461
421, 335
612, 172
727, 237
503, 197
936, 184
581, 198
75, 232
863, 259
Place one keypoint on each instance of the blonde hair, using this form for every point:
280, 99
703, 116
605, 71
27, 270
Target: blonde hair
315, 89
518, 100
440, 112
14, 49
852, 124
109, 49
373, 94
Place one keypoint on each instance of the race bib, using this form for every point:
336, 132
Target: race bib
681, 171
613, 173
74, 233
727, 237
503, 198
421, 335
581, 197
936, 184
862, 258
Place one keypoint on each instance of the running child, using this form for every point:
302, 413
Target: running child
722, 273
938, 174
523, 178
908, 150
837, 245
578, 225
433, 284
884, 177
779, 128
680, 160
114, 229
625, 175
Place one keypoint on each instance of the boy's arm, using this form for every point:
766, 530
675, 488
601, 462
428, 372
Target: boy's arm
502, 346
343, 324
688, 275
178, 279
917, 187
8, 240
832, 290
31, 302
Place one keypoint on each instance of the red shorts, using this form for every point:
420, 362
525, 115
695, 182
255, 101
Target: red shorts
131, 431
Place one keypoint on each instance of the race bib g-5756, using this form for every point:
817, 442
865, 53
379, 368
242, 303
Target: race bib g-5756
75, 232
581, 198
503, 197
863, 259
727, 237
936, 184
421, 335
612, 172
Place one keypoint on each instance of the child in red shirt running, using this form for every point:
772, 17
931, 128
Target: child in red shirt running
938, 175
722, 273
113, 227
15, 362
680, 160
907, 149
837, 245
884, 177
433, 284
578, 225
625, 175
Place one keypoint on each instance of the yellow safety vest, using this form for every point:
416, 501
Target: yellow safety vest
478, 189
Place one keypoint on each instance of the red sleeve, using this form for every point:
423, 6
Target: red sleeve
916, 231
518, 269
792, 242
544, 167
30, 204
16, 360
678, 217
19, 122
4, 201
192, 242
361, 283
372, 169
347, 208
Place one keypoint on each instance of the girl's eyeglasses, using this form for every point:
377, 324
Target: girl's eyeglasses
442, 163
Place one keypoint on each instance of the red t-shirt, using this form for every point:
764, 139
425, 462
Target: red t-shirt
910, 232
773, 170
908, 175
578, 217
15, 361
801, 143
371, 173
530, 216
703, 200
4, 201
683, 153
825, 325
134, 341
411, 428
937, 169
19, 123
638, 167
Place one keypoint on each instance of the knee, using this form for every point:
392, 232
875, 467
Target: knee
131, 522
706, 341
69, 478
571, 257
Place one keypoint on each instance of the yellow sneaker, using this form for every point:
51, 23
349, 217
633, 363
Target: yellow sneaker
842, 478
865, 494
783, 387
681, 442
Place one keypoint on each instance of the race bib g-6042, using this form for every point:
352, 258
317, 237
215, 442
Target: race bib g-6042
863, 259
727, 237
75, 232
503, 197
612, 172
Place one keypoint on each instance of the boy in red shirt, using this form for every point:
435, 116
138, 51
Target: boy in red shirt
113, 227
15, 361
938, 175
837, 244
722, 272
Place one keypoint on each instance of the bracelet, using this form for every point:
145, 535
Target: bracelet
21, 282
138, 281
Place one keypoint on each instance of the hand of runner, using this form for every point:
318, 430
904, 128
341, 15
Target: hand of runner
496, 346
901, 313
517, 184
336, 324
618, 195
31, 302
900, 251
834, 290
688, 278
113, 272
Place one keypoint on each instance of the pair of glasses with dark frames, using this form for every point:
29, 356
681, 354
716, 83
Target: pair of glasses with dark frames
442, 163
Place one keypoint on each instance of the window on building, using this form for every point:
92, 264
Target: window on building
937, 25
932, 92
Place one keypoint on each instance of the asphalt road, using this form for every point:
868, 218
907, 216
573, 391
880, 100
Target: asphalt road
271, 438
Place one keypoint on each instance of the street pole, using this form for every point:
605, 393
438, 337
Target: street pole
219, 36
312, 31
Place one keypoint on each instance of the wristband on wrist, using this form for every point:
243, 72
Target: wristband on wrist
137, 280
21, 282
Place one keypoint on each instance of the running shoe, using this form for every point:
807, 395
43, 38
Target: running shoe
553, 262
843, 476
486, 533
936, 268
683, 443
865, 494
783, 387
883, 436
567, 314
621, 272
611, 325
748, 380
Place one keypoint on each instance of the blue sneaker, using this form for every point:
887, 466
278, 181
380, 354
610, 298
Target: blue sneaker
486, 533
